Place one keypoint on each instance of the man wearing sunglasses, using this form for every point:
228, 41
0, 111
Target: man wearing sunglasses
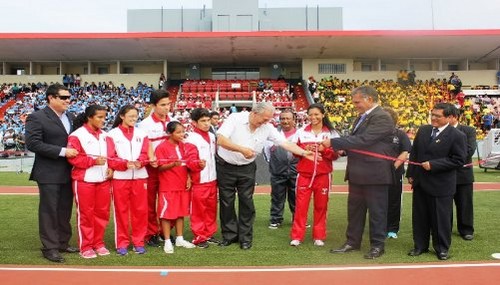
47, 136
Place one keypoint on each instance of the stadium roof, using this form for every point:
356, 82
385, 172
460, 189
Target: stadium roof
242, 48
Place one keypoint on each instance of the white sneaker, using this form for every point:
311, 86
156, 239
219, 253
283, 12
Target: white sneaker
184, 243
168, 247
295, 242
318, 242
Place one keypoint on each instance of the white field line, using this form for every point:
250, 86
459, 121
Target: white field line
243, 270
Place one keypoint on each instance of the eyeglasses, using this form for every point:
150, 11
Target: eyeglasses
63, 97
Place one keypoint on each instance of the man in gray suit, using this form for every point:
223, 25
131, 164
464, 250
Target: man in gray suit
47, 136
369, 177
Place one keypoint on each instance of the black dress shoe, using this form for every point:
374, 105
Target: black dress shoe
246, 245
375, 252
417, 252
227, 242
468, 237
69, 249
344, 249
443, 255
53, 256
213, 240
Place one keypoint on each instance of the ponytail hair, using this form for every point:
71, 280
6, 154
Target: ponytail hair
124, 110
83, 118
171, 126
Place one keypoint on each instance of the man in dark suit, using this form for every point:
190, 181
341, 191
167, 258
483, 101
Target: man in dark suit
369, 177
47, 136
441, 150
214, 122
465, 179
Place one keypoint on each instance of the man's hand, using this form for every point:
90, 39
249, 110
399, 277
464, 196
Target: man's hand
426, 165
71, 152
247, 152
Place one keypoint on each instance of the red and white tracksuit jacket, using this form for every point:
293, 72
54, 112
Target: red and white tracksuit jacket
313, 177
204, 189
175, 179
90, 187
156, 131
130, 196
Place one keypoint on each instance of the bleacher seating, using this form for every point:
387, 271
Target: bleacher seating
226, 90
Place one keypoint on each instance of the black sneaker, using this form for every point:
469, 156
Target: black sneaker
213, 240
154, 241
202, 244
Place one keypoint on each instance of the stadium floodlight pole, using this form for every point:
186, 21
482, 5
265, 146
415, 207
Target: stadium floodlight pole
432, 14
161, 20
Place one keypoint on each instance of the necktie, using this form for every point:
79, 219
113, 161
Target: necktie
361, 119
434, 133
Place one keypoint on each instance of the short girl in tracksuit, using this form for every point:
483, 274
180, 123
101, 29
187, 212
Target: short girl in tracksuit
174, 197
128, 151
314, 177
91, 180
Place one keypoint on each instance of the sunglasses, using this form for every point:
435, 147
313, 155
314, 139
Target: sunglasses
63, 97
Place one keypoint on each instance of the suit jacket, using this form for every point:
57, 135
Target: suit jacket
374, 134
446, 153
46, 136
465, 175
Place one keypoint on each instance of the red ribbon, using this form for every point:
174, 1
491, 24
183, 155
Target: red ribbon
386, 157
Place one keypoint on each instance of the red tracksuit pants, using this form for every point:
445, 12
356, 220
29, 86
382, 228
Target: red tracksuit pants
320, 187
203, 211
130, 203
153, 227
92, 212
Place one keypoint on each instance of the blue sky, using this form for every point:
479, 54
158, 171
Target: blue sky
51, 16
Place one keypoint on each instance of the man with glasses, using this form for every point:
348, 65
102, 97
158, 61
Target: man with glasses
47, 136
440, 149
241, 138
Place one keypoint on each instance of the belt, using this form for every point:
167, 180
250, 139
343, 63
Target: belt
221, 161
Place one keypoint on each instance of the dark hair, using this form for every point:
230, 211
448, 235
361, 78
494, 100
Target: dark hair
455, 112
124, 110
366, 91
213, 114
446, 107
289, 111
157, 95
393, 114
199, 113
83, 118
326, 121
171, 126
54, 90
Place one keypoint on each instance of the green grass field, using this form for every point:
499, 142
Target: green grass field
20, 243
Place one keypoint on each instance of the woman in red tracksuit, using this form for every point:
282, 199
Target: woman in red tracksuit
128, 152
174, 197
91, 180
314, 177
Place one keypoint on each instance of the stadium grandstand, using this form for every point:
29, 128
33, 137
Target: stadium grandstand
216, 63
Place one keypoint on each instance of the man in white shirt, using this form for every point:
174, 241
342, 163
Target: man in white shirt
241, 138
